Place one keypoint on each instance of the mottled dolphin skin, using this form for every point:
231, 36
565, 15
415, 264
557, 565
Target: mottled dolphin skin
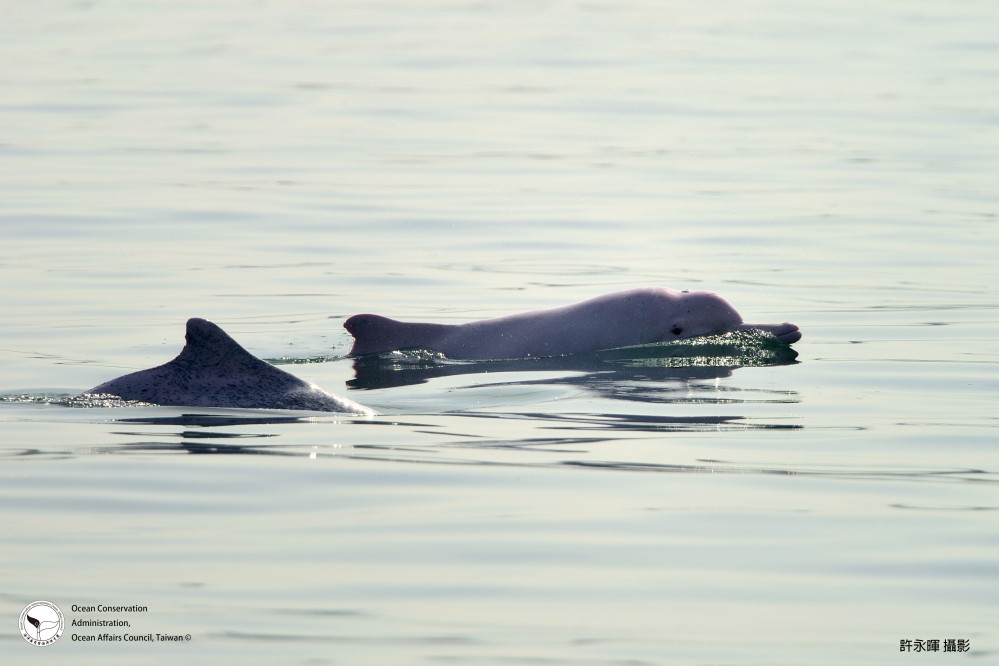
620, 319
214, 371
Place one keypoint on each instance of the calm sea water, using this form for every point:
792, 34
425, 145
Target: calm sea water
278, 166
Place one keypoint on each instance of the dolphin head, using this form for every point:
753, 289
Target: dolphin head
697, 313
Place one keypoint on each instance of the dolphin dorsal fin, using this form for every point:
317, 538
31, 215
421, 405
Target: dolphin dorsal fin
207, 345
213, 370
374, 334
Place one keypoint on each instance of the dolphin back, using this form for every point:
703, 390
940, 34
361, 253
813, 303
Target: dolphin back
374, 334
213, 370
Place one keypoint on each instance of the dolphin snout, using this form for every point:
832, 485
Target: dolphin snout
787, 332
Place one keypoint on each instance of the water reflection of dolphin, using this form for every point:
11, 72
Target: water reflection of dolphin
620, 319
213, 370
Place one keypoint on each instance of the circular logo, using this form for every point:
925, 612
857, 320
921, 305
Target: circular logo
41, 623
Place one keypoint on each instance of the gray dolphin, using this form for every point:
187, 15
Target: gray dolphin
620, 319
213, 370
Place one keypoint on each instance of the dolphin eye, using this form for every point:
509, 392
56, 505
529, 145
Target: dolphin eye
676, 330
